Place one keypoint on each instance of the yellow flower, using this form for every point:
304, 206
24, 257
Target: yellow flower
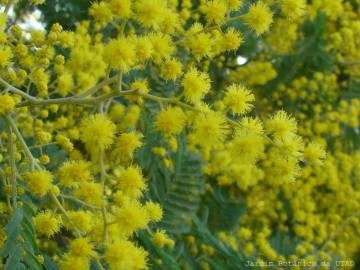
117, 112
170, 21
39, 181
70, 262
196, 84
100, 11
234, 4
200, 45
7, 104
143, 48
171, 69
65, 84
259, 17
232, 39
170, 121
131, 182
161, 240
154, 211
47, 223
124, 255
293, 8
163, 47
290, 146
81, 220
120, 53
150, 13
126, 145
281, 125
252, 125
314, 153
120, 8
72, 172
215, 11
81, 247
97, 132
238, 99
90, 192
132, 216
5, 56
210, 129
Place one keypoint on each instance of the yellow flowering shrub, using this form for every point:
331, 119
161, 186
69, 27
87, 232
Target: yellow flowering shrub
178, 134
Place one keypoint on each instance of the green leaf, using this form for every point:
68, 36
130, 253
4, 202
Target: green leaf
12, 229
14, 260
49, 263
223, 211
32, 263
183, 195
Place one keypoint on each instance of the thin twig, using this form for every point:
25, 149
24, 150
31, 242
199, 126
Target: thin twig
78, 201
63, 211
22, 142
12, 165
103, 207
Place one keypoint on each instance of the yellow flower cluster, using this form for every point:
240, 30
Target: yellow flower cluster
321, 208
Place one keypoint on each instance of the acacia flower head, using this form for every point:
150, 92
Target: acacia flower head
259, 17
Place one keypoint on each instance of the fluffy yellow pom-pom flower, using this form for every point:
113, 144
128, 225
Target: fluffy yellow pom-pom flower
196, 84
81, 220
259, 17
70, 262
154, 210
161, 240
81, 247
120, 54
281, 125
215, 11
132, 216
124, 255
314, 153
210, 129
7, 104
238, 99
126, 145
72, 172
39, 181
150, 13
47, 223
90, 192
171, 69
170, 121
131, 182
293, 8
120, 8
232, 39
97, 132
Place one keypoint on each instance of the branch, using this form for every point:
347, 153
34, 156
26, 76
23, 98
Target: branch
97, 87
16, 90
79, 99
